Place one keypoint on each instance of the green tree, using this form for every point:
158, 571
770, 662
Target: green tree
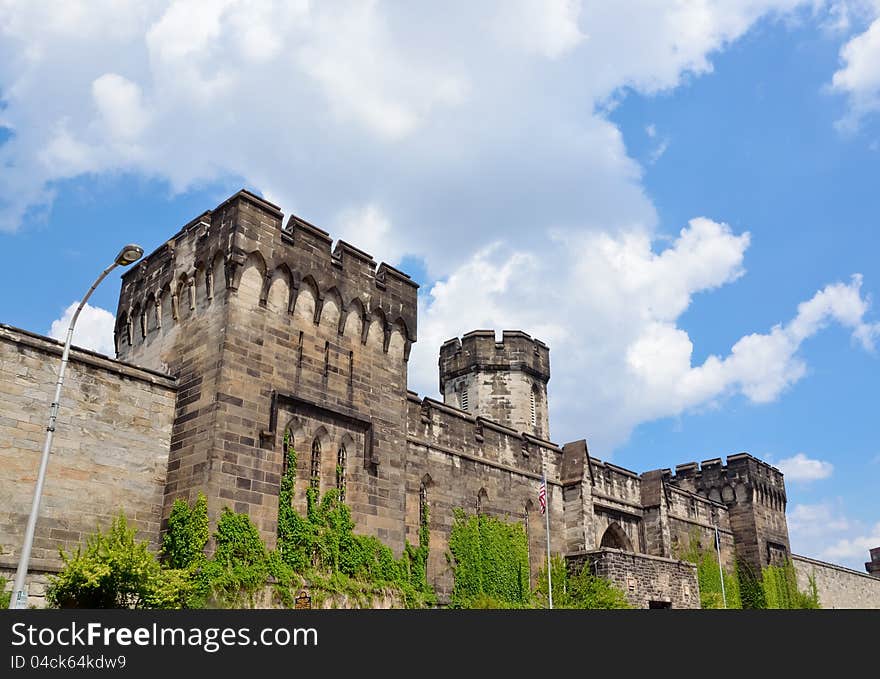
115, 570
583, 590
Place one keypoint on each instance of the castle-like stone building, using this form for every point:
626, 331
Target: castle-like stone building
242, 327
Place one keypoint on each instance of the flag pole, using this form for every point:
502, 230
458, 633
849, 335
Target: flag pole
547, 519
720, 570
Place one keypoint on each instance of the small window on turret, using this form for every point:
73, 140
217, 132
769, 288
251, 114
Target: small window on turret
532, 409
464, 398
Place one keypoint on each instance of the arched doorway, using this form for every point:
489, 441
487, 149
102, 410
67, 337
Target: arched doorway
615, 538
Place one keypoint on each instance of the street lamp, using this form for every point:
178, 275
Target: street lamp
127, 255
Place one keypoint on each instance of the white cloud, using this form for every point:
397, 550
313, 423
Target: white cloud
352, 103
94, 328
824, 531
859, 76
608, 305
443, 132
854, 550
802, 468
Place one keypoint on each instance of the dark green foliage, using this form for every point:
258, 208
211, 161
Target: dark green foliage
184, 544
709, 577
577, 591
116, 571
489, 558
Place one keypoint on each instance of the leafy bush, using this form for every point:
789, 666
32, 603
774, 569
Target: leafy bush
117, 571
578, 591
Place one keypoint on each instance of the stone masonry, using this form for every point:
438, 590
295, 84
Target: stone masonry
110, 451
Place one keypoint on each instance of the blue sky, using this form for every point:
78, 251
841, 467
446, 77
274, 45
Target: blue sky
682, 202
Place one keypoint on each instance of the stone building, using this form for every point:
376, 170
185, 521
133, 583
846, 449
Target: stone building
243, 327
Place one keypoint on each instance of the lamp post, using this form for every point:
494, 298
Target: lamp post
128, 255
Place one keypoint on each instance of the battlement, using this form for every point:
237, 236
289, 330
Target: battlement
209, 256
740, 468
478, 351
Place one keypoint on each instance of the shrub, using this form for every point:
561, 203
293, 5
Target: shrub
583, 590
116, 571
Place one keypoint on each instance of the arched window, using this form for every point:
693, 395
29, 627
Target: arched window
286, 448
340, 471
482, 496
423, 503
315, 474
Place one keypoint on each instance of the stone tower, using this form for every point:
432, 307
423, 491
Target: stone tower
754, 493
270, 331
504, 381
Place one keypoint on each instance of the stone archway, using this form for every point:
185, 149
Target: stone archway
615, 538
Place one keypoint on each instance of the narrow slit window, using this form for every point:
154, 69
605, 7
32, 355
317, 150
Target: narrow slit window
315, 473
532, 409
464, 399
350, 366
299, 348
326, 357
341, 459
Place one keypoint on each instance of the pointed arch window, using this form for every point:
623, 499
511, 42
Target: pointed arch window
315, 472
341, 459
286, 448
423, 503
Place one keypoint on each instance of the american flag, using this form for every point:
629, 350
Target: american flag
542, 495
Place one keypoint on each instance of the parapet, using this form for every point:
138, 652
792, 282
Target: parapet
212, 251
478, 351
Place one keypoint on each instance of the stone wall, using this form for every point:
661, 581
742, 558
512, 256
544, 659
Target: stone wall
648, 581
838, 587
467, 462
109, 454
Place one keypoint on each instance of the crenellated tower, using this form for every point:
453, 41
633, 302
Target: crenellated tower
271, 331
754, 493
504, 381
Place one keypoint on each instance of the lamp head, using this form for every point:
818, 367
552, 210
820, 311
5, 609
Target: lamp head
129, 254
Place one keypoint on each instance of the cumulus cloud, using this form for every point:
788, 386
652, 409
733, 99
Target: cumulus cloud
854, 550
802, 468
824, 531
609, 305
94, 328
471, 135
340, 105
859, 75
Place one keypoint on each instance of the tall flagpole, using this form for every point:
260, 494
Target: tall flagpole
547, 519
720, 570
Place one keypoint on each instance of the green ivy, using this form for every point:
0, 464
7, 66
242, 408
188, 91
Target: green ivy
583, 590
709, 577
489, 558
781, 588
322, 547
183, 545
